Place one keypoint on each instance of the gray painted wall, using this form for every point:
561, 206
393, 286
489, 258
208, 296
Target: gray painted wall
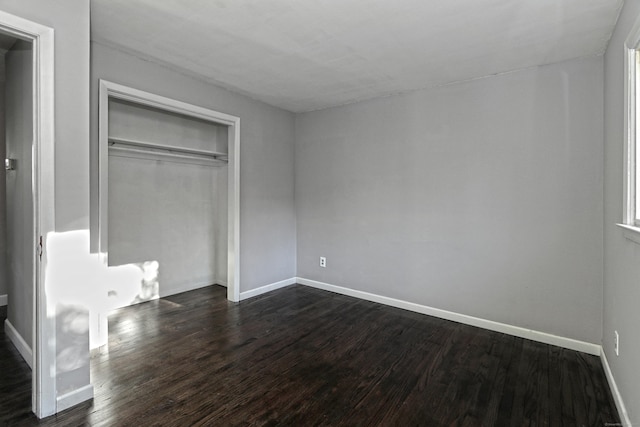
482, 198
267, 218
20, 239
70, 20
622, 257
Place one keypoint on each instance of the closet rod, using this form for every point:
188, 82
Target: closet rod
180, 158
169, 150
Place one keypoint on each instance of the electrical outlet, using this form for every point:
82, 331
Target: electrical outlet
616, 343
323, 261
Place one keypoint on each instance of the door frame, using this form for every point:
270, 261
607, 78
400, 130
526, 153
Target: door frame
109, 90
44, 391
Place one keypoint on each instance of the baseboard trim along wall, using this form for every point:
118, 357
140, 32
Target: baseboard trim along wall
67, 400
617, 397
23, 348
267, 288
4, 300
517, 331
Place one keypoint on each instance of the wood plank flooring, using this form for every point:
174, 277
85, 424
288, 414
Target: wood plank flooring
304, 357
15, 379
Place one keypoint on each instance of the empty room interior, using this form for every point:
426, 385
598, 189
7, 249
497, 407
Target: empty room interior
302, 213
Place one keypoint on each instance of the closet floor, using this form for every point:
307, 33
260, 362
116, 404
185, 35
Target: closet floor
300, 356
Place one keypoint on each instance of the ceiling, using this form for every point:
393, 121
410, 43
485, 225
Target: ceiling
304, 55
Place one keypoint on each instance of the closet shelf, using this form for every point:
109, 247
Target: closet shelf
141, 147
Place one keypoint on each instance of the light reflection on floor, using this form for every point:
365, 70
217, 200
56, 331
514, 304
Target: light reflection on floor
80, 281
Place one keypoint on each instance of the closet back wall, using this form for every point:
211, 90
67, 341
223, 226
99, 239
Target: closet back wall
165, 215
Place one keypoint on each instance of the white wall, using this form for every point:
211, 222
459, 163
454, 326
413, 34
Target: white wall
267, 210
622, 257
20, 239
482, 198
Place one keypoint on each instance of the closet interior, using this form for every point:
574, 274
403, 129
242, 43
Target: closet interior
167, 198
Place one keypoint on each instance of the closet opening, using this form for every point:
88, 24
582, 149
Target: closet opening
168, 200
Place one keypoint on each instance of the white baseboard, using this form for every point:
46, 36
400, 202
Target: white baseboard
617, 397
267, 288
23, 348
517, 331
67, 400
4, 300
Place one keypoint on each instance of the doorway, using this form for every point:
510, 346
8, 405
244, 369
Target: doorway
17, 217
28, 182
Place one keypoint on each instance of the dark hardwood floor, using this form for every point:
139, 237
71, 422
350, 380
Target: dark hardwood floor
15, 379
301, 357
